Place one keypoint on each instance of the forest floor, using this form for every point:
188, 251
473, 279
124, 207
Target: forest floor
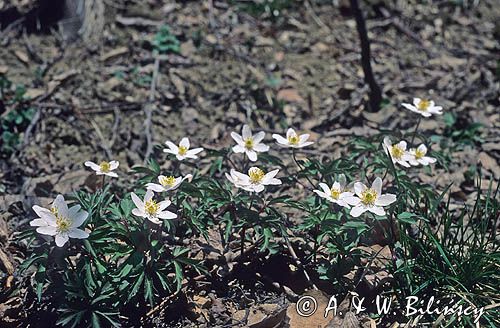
300, 68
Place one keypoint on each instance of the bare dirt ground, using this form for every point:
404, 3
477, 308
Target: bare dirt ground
301, 68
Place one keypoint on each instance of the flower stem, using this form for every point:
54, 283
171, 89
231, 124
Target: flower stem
416, 129
103, 180
301, 168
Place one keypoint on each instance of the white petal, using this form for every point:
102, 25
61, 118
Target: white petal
38, 223
78, 219
402, 144
321, 194
402, 162
184, 143
246, 132
113, 165
430, 160
376, 210
47, 230
342, 180
239, 149
236, 137
137, 201
172, 147
149, 195
154, 220
385, 199
166, 215
258, 188
409, 106
92, 165
61, 239
258, 137
194, 151
39, 210
351, 200
357, 210
325, 188
279, 139
377, 185
273, 182
78, 233
305, 144
61, 205
164, 204
290, 133
155, 187
422, 148
260, 147
359, 187
73, 210
342, 203
111, 174
303, 138
138, 212
271, 174
251, 155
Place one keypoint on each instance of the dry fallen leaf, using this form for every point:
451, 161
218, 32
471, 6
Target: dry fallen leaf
289, 95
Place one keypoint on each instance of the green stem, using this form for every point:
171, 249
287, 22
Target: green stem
301, 168
416, 129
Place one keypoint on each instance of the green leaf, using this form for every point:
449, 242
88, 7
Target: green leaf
407, 217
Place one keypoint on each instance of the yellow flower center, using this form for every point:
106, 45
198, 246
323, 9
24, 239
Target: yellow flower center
167, 181
397, 152
293, 139
151, 207
419, 154
249, 143
368, 197
182, 150
105, 167
53, 210
423, 105
256, 175
63, 224
335, 193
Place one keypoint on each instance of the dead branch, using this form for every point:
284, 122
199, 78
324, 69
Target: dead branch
375, 91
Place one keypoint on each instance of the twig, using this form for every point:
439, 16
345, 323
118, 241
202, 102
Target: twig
14, 24
399, 26
299, 264
375, 92
314, 16
149, 111
31, 126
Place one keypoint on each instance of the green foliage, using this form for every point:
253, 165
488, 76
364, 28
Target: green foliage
18, 117
165, 42
128, 265
457, 260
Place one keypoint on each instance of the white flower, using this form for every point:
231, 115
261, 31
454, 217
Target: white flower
418, 156
183, 150
293, 139
60, 221
167, 183
237, 178
248, 143
397, 151
424, 107
150, 209
104, 168
337, 193
255, 180
369, 199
